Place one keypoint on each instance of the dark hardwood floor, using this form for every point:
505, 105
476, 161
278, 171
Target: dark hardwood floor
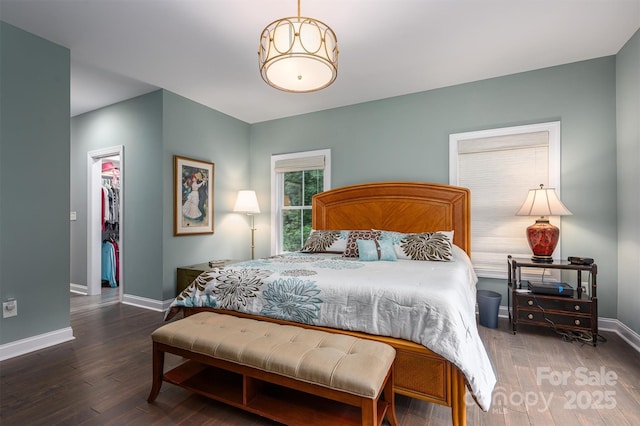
104, 377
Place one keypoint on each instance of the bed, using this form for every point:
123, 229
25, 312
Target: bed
439, 352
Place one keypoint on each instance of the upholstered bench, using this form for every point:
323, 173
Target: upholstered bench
289, 374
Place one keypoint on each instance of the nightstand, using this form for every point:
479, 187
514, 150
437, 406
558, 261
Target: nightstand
186, 274
575, 313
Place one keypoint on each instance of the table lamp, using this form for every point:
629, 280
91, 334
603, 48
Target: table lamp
247, 202
543, 236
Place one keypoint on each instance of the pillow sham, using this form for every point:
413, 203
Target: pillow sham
326, 242
420, 246
351, 250
371, 250
395, 235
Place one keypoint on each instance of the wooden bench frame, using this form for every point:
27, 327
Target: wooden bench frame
271, 395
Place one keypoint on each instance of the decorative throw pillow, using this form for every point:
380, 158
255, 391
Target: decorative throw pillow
427, 246
387, 251
351, 250
370, 250
326, 242
397, 236
421, 246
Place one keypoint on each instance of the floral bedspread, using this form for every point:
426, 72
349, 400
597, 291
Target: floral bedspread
427, 302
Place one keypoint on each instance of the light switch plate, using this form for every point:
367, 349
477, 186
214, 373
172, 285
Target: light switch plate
10, 309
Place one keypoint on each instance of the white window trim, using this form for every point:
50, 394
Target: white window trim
554, 150
277, 195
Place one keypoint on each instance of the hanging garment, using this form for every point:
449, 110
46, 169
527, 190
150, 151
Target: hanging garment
105, 209
115, 204
109, 263
116, 252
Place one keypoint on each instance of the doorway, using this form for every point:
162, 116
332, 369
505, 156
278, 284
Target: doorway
111, 161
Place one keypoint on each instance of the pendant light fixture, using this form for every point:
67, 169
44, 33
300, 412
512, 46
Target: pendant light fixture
298, 54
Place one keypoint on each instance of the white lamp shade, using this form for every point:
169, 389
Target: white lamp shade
543, 202
247, 202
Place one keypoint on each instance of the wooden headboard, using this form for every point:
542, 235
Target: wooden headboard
397, 206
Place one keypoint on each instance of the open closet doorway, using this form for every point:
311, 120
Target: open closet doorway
105, 219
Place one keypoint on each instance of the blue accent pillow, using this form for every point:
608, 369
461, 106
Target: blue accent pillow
372, 250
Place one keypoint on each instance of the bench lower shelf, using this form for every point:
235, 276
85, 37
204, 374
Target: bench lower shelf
264, 398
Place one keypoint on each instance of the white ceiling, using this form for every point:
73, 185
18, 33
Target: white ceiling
206, 50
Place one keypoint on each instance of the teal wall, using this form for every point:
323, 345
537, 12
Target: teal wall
628, 117
137, 125
195, 131
34, 183
153, 128
406, 138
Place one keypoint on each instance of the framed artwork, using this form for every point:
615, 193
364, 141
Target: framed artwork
193, 196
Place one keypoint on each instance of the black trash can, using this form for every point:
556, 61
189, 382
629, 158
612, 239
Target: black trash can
488, 306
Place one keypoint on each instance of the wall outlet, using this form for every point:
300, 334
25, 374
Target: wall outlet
586, 288
10, 308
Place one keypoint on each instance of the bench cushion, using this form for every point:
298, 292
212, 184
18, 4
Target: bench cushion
346, 363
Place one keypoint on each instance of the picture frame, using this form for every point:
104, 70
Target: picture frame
193, 196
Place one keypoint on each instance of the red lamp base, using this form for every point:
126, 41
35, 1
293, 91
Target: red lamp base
543, 238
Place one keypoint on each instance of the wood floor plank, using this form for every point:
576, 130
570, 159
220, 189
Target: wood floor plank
104, 377
515, 418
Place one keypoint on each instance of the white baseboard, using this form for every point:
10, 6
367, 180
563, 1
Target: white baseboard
502, 313
627, 334
143, 302
78, 288
34, 343
604, 324
128, 299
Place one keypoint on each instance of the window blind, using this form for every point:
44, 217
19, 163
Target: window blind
499, 170
315, 162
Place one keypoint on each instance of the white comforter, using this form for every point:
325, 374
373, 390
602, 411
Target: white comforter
431, 303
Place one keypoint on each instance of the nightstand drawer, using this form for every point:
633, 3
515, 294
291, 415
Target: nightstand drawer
565, 305
550, 319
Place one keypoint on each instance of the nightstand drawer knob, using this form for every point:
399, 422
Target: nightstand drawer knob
530, 316
577, 322
530, 302
577, 307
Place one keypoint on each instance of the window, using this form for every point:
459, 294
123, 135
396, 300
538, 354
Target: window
499, 166
295, 178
